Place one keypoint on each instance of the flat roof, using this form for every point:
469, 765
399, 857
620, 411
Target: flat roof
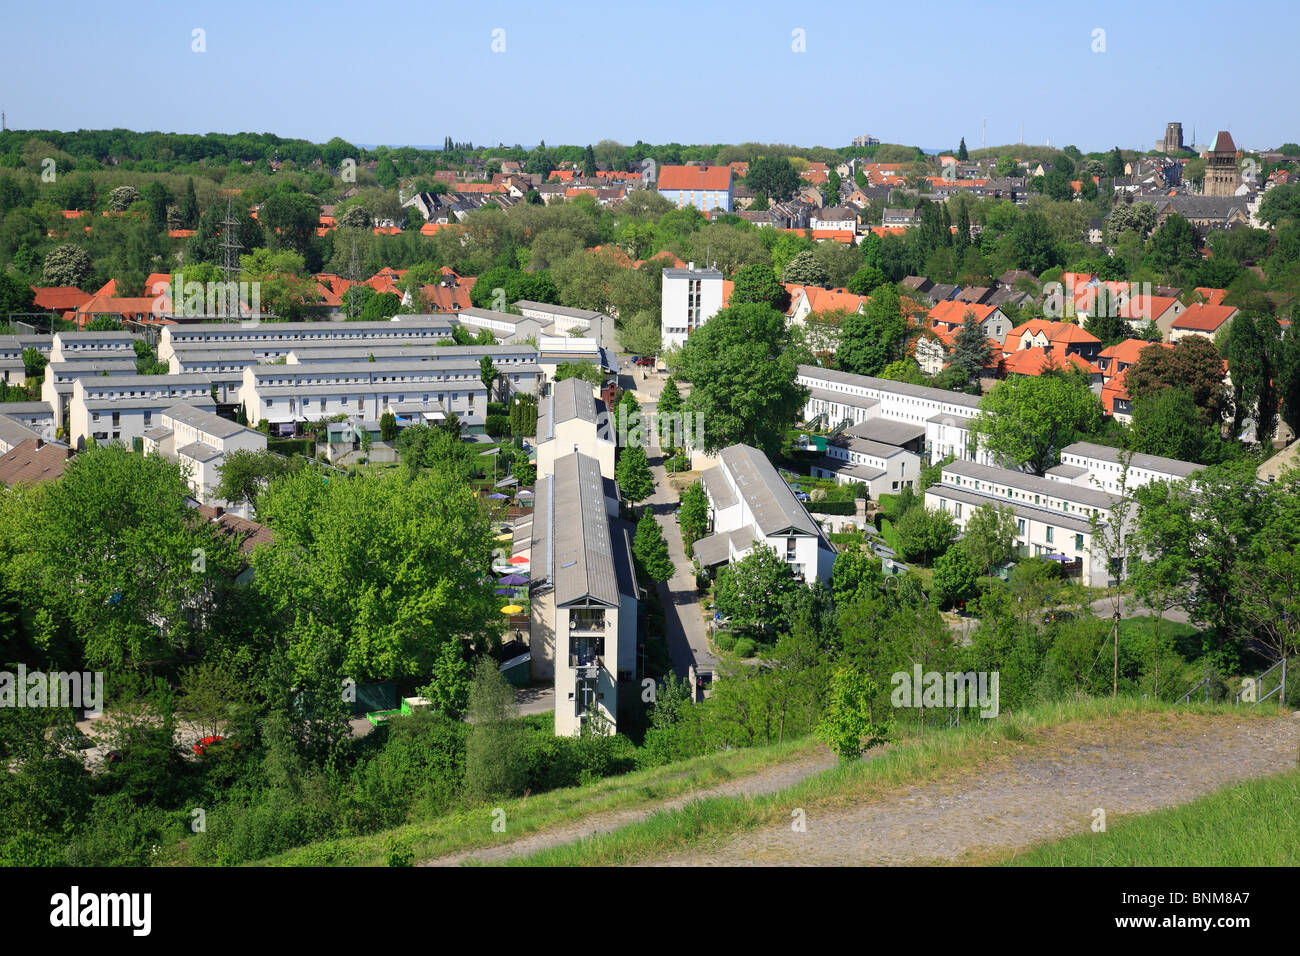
886, 431
206, 422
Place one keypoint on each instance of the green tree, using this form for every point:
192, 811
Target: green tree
989, 537
244, 475
584, 369
773, 177
854, 574
954, 576
1168, 423
924, 533
449, 685
1028, 419
633, 475
1193, 364
872, 339
15, 296
742, 366
66, 265
756, 283
488, 374
651, 549
866, 280
755, 593
495, 755
1031, 244
387, 427
848, 725
804, 269
971, 351
189, 205
962, 155
368, 577
693, 516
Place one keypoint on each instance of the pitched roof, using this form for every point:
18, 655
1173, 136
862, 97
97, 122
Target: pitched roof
59, 298
33, 461
580, 562
1171, 466
1223, 143
695, 177
770, 499
1204, 318
1037, 360
953, 312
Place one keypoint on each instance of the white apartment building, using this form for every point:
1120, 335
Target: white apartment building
237, 335
38, 416
76, 346
56, 388
124, 407
583, 594
13, 433
560, 320
285, 394
883, 468
1053, 518
1098, 466
572, 420
750, 503
505, 326
843, 397
200, 441
12, 368
691, 297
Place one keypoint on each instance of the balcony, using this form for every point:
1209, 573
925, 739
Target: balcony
586, 623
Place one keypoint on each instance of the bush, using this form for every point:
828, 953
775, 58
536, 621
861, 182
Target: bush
746, 647
291, 446
399, 853
827, 507
726, 641
498, 425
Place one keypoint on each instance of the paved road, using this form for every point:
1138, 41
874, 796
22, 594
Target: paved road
688, 640
1135, 608
535, 700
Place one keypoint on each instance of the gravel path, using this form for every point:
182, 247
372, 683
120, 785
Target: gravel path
1125, 767
760, 782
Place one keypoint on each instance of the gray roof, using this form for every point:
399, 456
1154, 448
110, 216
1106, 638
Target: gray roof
69, 338
581, 561
1170, 466
686, 273
886, 430
945, 418
26, 409
11, 432
507, 317
570, 399
1022, 509
839, 466
875, 449
198, 451
770, 499
720, 493
1199, 207
1067, 471
885, 385
843, 398
431, 322
86, 368
557, 309
149, 382
716, 548
370, 370
158, 433
206, 422
1031, 483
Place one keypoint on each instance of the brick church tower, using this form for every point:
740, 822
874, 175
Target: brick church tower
1221, 177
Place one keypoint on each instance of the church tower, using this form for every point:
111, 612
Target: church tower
1221, 177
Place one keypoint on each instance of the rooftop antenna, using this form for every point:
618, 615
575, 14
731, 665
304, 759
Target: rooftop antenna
984, 133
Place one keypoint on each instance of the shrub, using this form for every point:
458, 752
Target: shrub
725, 640
399, 853
746, 647
498, 425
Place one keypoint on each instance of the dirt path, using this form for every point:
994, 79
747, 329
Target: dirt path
1126, 767
768, 780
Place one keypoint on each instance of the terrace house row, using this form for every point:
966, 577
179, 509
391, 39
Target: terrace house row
236, 335
124, 407
200, 441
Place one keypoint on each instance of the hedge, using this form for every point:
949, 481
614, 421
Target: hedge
291, 446
832, 507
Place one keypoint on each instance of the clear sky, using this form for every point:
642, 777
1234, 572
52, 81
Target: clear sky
921, 73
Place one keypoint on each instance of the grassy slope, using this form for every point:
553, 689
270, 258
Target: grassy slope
1264, 831
975, 746
471, 828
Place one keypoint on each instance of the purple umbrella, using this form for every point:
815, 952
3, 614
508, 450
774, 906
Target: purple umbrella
497, 496
505, 592
514, 579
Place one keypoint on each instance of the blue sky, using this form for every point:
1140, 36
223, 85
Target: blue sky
916, 73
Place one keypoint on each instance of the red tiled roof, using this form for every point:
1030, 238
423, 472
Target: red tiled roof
1212, 296
1035, 361
1204, 318
695, 177
59, 298
953, 313
835, 235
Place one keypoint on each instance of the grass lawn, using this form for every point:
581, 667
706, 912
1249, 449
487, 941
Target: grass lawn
1256, 823
890, 535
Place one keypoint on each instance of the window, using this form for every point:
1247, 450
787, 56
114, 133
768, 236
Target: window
1049, 535
1078, 542
957, 509
790, 544
1020, 525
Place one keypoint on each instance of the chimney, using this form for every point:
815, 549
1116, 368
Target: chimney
690, 267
